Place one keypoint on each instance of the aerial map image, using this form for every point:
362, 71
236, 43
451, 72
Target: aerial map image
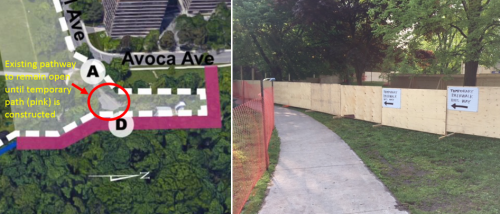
115, 106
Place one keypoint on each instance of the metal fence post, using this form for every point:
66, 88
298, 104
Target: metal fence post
264, 123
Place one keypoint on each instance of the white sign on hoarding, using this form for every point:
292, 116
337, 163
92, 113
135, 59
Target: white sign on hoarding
463, 98
391, 98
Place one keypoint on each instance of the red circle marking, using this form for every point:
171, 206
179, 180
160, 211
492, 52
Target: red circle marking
114, 118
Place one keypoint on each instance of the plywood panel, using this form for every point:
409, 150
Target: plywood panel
484, 122
281, 93
364, 102
335, 98
318, 102
237, 90
300, 94
325, 98
421, 110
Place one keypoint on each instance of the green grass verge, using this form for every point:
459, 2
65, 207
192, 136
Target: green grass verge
14, 37
149, 77
259, 192
374, 83
97, 39
1, 62
458, 174
370, 83
162, 66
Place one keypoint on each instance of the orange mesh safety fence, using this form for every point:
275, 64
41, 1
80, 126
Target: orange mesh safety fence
268, 113
252, 130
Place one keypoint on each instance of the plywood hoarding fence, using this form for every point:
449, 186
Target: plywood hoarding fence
281, 93
484, 122
362, 101
300, 94
421, 109
325, 98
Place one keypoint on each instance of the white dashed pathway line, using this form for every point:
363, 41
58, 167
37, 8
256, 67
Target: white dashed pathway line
145, 113
108, 79
202, 92
129, 91
11, 136
184, 91
57, 5
32, 133
70, 127
203, 111
164, 91
52, 134
106, 114
64, 25
165, 113
69, 43
128, 114
80, 57
87, 117
145, 91
184, 113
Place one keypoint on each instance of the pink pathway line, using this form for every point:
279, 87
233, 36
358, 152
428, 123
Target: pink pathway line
213, 120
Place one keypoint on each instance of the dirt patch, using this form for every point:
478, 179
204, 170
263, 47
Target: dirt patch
402, 207
401, 170
448, 204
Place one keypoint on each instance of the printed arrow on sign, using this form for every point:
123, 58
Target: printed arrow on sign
386, 103
455, 106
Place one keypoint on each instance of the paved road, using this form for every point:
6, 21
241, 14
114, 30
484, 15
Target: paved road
318, 173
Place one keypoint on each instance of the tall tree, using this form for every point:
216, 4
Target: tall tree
167, 41
85, 50
151, 41
342, 29
476, 22
266, 36
92, 10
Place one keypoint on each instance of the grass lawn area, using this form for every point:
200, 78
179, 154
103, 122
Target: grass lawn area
14, 37
1, 61
97, 39
149, 77
146, 76
259, 192
370, 83
4, 126
458, 174
373, 83
162, 66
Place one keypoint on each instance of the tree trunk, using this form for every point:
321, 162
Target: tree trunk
276, 73
348, 80
359, 78
470, 73
276, 70
359, 74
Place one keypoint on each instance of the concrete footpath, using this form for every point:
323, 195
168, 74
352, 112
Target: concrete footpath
318, 172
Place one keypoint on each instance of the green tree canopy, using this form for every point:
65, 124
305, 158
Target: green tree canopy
464, 30
84, 50
167, 41
151, 41
92, 10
